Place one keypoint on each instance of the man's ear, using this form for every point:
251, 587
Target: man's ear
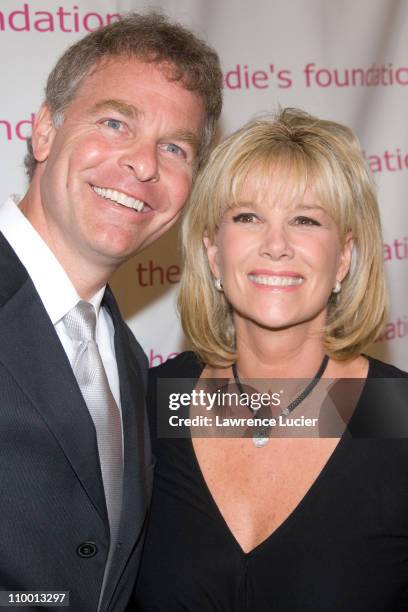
43, 134
345, 257
212, 250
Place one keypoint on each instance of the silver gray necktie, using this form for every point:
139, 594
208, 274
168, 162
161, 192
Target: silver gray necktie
88, 368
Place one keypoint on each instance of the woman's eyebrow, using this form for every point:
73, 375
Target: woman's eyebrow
302, 206
244, 204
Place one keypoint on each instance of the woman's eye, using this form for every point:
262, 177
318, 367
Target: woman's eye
173, 148
245, 218
306, 221
114, 124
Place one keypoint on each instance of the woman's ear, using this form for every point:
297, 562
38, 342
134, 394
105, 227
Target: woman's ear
43, 134
345, 257
212, 251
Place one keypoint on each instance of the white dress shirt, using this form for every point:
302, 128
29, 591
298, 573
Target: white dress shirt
55, 289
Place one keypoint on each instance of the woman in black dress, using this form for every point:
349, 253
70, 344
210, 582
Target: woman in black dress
283, 279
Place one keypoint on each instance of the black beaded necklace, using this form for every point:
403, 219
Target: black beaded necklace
260, 437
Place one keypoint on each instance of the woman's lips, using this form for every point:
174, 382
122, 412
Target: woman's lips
276, 280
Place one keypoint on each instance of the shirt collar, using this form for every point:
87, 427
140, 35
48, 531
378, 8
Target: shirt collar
52, 283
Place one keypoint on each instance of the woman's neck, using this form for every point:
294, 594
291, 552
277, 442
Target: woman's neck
295, 352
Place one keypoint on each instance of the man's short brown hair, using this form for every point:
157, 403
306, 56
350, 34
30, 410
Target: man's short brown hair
151, 38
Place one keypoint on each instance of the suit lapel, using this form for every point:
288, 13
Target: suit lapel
31, 351
136, 445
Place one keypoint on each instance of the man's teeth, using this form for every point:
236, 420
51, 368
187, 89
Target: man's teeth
276, 281
119, 198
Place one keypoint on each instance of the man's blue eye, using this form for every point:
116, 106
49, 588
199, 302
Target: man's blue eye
173, 148
114, 124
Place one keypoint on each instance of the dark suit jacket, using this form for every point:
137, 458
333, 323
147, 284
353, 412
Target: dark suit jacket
52, 499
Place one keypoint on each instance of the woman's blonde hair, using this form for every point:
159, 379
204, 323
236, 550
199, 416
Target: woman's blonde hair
296, 149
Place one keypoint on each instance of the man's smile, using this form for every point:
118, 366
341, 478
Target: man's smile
122, 198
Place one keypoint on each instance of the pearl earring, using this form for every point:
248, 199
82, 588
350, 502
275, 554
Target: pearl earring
337, 287
218, 284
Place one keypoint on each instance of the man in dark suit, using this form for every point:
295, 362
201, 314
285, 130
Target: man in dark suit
129, 114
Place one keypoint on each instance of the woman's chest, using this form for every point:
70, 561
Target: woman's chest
256, 489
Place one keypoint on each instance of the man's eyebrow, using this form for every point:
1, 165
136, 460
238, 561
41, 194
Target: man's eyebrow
128, 110
185, 136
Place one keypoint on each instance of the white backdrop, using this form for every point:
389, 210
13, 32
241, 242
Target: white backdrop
338, 59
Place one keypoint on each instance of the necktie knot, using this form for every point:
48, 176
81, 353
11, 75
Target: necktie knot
80, 322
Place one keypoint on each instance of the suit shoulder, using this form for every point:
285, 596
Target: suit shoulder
12, 272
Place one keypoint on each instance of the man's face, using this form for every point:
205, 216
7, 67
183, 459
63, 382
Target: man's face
117, 172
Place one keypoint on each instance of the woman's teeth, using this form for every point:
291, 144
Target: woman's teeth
119, 198
276, 281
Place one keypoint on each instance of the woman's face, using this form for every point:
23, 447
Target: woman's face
278, 259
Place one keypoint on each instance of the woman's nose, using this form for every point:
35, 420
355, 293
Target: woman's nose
276, 242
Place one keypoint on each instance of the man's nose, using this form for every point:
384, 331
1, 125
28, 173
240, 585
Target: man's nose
142, 160
276, 242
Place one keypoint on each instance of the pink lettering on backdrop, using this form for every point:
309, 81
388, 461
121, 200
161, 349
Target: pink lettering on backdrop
397, 249
21, 130
96, 21
7, 128
64, 19
245, 77
156, 359
395, 330
390, 160
374, 76
148, 274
